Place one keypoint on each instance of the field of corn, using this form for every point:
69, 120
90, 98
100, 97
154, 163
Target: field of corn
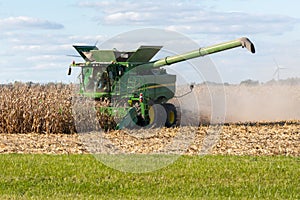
36, 118
27, 108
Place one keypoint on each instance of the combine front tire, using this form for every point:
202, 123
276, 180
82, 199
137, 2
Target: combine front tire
163, 115
157, 115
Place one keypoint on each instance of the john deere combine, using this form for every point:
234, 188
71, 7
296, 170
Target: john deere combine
138, 89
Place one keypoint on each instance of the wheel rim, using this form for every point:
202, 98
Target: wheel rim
151, 115
171, 117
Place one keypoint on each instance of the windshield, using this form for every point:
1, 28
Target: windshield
96, 79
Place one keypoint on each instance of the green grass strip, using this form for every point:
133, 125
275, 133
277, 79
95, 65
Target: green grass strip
190, 177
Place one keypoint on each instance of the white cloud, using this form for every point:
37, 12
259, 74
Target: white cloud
124, 16
34, 38
86, 39
45, 66
44, 58
26, 48
35, 43
188, 17
24, 22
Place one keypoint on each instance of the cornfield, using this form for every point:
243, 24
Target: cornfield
36, 108
49, 108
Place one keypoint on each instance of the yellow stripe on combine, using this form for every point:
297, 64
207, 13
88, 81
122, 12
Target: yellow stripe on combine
157, 86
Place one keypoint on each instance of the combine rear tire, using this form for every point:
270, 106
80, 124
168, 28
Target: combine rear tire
171, 117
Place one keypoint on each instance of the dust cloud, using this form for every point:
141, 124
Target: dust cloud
262, 103
240, 103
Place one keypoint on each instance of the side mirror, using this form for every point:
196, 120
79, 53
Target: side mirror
70, 70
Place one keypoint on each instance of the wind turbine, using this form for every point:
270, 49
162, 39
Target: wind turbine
277, 71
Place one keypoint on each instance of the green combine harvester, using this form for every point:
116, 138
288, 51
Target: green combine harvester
138, 89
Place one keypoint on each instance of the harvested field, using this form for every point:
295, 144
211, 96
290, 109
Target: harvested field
236, 139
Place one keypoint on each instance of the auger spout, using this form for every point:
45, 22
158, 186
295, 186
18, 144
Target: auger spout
243, 42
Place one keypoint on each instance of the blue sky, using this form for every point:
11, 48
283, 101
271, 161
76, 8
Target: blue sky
36, 36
